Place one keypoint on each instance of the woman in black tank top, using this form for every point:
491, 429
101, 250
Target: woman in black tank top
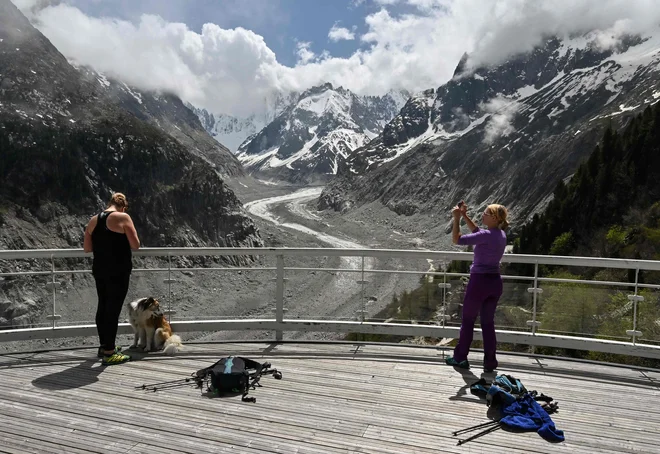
112, 252
111, 268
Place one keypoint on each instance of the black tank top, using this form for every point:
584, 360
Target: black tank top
112, 251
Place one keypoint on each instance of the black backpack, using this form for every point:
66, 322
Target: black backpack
235, 375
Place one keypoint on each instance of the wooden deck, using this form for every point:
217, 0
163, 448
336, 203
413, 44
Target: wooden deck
332, 399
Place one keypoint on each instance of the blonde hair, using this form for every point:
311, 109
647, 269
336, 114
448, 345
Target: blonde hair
118, 200
501, 214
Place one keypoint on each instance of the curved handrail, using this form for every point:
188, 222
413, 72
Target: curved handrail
280, 323
650, 265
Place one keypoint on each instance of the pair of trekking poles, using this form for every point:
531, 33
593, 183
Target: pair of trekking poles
490, 426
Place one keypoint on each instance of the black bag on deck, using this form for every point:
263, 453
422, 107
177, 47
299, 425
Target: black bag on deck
235, 374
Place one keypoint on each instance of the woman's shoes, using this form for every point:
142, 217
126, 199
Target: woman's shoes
452, 362
101, 353
115, 358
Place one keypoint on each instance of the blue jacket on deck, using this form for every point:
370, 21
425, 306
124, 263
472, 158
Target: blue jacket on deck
526, 414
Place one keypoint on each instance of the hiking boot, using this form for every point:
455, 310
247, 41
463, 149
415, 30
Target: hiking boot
101, 354
115, 358
452, 362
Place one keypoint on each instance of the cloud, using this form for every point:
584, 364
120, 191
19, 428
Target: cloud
305, 55
233, 70
340, 33
521, 25
503, 112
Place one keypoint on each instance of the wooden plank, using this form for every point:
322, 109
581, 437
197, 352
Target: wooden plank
114, 416
28, 438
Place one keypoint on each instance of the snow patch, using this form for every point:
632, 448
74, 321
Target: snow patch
103, 80
251, 160
327, 101
626, 109
136, 95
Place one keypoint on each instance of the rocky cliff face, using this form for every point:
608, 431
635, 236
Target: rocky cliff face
503, 134
69, 137
168, 113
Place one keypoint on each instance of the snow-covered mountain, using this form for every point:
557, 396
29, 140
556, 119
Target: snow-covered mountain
504, 133
313, 135
232, 131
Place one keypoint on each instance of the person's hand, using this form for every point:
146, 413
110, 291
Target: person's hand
456, 212
463, 207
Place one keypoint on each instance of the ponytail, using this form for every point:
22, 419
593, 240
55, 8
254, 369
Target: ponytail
501, 214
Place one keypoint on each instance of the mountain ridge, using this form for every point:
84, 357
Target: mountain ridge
505, 133
76, 142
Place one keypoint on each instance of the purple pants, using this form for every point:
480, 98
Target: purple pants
481, 297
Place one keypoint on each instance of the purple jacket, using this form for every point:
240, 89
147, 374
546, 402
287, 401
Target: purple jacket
488, 249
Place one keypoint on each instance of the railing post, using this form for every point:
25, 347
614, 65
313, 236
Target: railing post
362, 282
444, 294
279, 296
635, 298
52, 283
169, 281
534, 291
445, 285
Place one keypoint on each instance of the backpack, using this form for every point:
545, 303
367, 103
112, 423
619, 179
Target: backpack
503, 388
235, 375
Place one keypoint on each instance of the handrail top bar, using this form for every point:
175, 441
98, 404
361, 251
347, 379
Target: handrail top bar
597, 262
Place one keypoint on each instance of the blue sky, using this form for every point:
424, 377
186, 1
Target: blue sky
282, 23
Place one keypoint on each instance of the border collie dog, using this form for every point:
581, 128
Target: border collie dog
152, 331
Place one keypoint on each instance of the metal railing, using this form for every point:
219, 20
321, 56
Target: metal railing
624, 314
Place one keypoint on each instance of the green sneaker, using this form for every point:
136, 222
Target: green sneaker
100, 353
452, 362
115, 358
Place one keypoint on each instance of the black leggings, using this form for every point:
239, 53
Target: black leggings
112, 290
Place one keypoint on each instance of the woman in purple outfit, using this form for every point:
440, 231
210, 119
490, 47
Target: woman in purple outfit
485, 285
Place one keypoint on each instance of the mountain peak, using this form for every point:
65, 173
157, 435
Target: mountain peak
462, 66
327, 86
314, 135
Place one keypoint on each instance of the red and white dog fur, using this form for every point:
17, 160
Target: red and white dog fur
152, 331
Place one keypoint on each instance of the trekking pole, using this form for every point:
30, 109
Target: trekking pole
165, 384
480, 434
478, 426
